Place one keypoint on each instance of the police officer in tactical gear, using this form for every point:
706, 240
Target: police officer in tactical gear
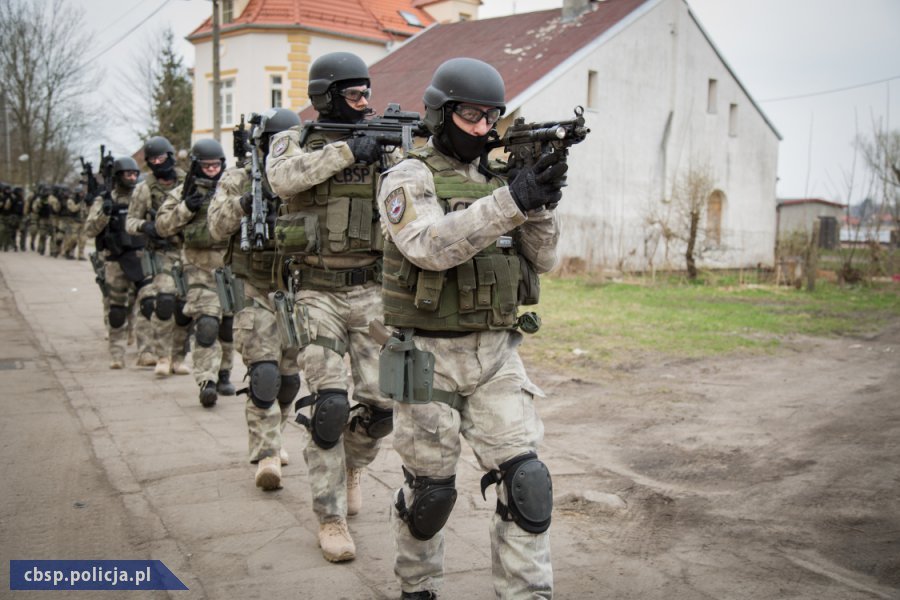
330, 239
163, 326
274, 378
185, 211
460, 243
124, 276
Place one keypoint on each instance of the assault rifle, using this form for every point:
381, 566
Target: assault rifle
526, 142
395, 128
255, 225
240, 143
93, 186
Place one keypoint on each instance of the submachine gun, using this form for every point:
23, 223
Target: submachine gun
254, 228
527, 142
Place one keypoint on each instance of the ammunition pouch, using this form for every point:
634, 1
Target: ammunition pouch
297, 233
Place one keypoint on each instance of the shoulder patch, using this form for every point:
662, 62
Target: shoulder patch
280, 146
395, 205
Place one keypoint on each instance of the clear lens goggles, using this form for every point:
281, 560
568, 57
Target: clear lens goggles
473, 114
354, 94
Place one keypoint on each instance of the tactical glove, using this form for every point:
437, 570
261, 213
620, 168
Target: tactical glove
194, 201
365, 149
539, 185
148, 228
247, 203
107, 206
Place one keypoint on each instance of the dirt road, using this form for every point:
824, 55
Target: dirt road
727, 478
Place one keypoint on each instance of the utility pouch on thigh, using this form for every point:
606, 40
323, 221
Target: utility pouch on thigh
149, 263
230, 290
292, 329
178, 278
405, 373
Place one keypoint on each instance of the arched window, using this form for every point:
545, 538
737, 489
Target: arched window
714, 208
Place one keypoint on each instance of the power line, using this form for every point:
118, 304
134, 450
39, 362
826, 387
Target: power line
832, 91
127, 33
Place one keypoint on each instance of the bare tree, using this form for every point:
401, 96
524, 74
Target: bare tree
881, 154
45, 80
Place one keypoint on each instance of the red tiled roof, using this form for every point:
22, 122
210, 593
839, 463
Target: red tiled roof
523, 48
372, 19
796, 201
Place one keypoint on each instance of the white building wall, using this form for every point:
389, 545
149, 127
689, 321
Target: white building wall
657, 65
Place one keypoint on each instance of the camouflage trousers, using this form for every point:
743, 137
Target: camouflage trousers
10, 229
256, 338
122, 293
68, 228
202, 299
499, 421
45, 232
341, 319
167, 336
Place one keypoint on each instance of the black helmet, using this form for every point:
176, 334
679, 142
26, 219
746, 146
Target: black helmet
125, 163
157, 146
279, 119
207, 149
462, 80
330, 69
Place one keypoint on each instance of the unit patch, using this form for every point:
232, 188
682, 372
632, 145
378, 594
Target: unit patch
395, 205
280, 146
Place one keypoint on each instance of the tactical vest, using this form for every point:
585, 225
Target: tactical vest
337, 216
157, 196
44, 209
196, 232
480, 294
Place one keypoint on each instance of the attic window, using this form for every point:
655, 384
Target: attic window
410, 18
227, 11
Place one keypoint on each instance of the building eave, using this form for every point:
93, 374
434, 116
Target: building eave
269, 28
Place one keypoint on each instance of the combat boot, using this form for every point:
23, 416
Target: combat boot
423, 595
146, 360
179, 368
224, 387
208, 394
335, 541
163, 367
116, 364
354, 492
268, 473
284, 456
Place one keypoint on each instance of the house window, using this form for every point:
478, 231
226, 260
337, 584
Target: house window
732, 120
227, 96
592, 91
410, 18
465, 17
714, 206
276, 86
227, 11
711, 94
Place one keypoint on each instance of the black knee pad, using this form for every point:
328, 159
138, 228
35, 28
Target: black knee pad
432, 503
529, 492
165, 306
148, 305
207, 330
290, 385
265, 382
226, 331
331, 408
181, 319
373, 421
118, 315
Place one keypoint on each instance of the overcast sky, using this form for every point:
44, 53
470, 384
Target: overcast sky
778, 49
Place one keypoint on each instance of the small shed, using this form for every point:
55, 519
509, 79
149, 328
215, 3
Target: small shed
801, 215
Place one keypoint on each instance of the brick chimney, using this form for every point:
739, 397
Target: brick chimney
572, 9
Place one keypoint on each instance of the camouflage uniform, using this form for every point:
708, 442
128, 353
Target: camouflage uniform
122, 289
256, 335
201, 256
68, 225
168, 330
81, 236
338, 288
444, 220
42, 212
16, 211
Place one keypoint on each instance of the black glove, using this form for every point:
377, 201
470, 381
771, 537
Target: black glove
365, 149
194, 201
538, 185
247, 203
107, 206
148, 228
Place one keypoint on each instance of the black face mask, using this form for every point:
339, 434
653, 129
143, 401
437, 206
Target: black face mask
458, 143
123, 186
343, 112
166, 170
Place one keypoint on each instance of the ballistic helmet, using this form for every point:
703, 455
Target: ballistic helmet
157, 146
207, 149
462, 80
279, 119
330, 69
125, 163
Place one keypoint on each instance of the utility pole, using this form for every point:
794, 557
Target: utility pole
217, 82
6, 132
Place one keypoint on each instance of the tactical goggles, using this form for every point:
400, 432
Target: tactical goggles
209, 164
354, 94
473, 114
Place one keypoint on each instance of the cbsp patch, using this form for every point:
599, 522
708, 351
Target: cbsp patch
280, 146
395, 205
